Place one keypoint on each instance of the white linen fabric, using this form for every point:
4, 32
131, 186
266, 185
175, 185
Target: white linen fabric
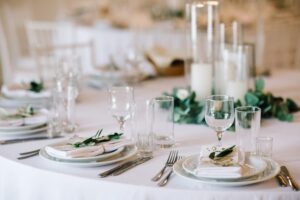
67, 150
35, 178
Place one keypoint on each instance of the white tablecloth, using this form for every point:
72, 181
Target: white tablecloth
38, 179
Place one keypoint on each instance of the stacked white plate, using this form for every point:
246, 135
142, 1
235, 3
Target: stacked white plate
254, 171
118, 155
22, 97
24, 126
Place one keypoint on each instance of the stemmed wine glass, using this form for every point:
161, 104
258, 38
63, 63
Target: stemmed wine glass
121, 104
219, 113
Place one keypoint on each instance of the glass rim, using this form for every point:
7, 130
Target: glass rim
248, 109
228, 98
264, 138
163, 98
119, 88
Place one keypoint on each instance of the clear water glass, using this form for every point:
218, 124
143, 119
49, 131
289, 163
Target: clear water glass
264, 146
121, 104
219, 114
247, 126
162, 121
55, 115
142, 131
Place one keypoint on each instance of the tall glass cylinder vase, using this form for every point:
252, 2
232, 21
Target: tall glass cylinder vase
204, 27
237, 71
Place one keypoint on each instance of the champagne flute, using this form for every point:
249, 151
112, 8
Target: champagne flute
121, 104
219, 113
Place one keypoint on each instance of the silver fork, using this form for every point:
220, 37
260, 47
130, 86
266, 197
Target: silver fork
165, 180
169, 163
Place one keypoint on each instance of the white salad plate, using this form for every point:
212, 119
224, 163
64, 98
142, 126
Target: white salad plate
83, 159
37, 129
270, 172
253, 167
128, 152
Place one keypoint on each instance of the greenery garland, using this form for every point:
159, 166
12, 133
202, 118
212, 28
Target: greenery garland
187, 110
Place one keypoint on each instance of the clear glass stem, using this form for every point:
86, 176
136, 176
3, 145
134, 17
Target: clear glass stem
122, 125
219, 135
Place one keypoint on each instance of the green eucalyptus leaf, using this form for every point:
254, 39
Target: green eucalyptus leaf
259, 84
251, 99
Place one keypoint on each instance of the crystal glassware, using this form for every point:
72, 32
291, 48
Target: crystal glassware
121, 104
142, 132
264, 146
247, 125
219, 113
162, 123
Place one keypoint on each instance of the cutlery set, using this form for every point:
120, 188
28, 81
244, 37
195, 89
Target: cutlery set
284, 179
123, 167
28, 154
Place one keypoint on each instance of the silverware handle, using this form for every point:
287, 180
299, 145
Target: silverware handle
281, 180
31, 155
159, 174
29, 152
292, 183
165, 180
109, 172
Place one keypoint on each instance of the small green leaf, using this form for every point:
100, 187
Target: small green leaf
251, 99
259, 84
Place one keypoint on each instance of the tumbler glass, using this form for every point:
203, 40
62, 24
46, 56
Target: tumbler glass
162, 125
141, 128
247, 125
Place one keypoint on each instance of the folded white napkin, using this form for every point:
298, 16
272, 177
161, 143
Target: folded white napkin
23, 92
66, 150
210, 169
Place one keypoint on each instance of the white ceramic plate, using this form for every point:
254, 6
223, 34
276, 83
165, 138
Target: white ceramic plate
21, 128
271, 171
24, 132
128, 152
87, 159
254, 167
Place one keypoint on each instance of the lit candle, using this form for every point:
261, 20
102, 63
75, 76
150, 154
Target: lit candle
201, 79
237, 89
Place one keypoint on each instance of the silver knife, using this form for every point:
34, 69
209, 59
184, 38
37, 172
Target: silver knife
140, 161
122, 165
12, 141
290, 180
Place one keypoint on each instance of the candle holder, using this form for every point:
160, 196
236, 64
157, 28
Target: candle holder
202, 37
235, 64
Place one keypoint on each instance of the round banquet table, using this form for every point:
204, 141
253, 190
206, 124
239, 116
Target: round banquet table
35, 178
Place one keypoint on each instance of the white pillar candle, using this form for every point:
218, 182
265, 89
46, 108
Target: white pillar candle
201, 79
237, 89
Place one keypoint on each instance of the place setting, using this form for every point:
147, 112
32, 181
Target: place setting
136, 99
35, 93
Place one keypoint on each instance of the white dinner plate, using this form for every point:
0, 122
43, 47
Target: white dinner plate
271, 171
253, 167
86, 159
128, 152
24, 132
21, 128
